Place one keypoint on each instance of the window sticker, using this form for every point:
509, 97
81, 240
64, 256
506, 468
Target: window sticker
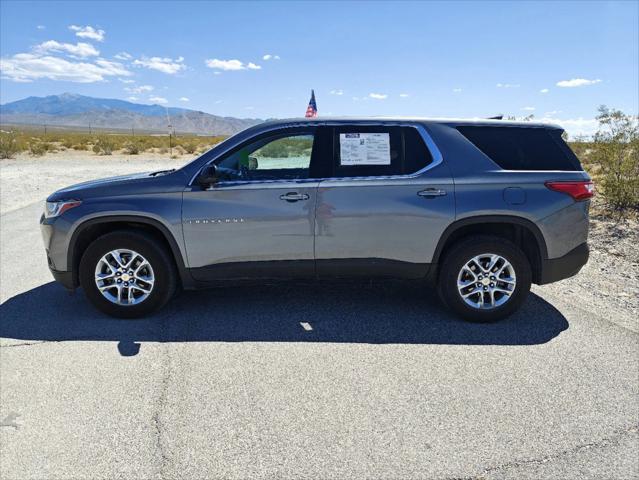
364, 149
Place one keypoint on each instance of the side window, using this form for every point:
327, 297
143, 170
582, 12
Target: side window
364, 151
416, 154
522, 148
277, 157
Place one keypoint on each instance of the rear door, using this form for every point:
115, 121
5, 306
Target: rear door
258, 221
387, 202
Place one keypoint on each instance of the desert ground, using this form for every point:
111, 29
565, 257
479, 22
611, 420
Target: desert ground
228, 384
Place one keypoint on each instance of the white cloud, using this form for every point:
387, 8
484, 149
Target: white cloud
162, 64
185, 99
249, 108
41, 27
26, 67
80, 49
132, 98
508, 85
337, 91
219, 101
544, 90
552, 112
577, 82
457, 90
230, 65
160, 100
111, 66
88, 32
126, 80
139, 89
123, 56
378, 96
269, 56
404, 95
529, 109
574, 126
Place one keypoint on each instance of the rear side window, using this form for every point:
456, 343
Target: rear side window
521, 148
368, 151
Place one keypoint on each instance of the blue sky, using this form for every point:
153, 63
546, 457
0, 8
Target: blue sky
556, 60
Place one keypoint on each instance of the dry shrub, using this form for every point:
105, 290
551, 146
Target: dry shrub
104, 145
616, 158
9, 145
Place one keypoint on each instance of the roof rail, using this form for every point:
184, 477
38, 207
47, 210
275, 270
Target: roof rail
497, 117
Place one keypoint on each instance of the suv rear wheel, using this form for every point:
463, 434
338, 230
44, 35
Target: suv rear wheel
127, 274
484, 278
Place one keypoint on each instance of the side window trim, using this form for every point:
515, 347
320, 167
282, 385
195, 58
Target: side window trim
428, 140
429, 144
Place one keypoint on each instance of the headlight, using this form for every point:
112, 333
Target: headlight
55, 209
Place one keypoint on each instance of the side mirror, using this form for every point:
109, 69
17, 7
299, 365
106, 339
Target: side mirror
208, 176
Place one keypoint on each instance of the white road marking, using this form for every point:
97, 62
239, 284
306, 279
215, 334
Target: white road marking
306, 326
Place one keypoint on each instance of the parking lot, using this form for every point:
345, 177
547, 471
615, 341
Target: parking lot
372, 380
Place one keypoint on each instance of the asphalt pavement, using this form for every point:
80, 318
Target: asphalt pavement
369, 380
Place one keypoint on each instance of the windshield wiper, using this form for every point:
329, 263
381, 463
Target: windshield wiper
161, 172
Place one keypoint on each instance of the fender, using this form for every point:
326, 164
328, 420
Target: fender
481, 219
185, 276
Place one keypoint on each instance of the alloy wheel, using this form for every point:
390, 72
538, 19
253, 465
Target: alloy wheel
124, 277
486, 281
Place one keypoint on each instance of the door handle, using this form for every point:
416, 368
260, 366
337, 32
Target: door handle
432, 192
294, 196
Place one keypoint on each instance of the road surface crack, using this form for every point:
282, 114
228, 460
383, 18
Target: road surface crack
610, 441
24, 344
158, 423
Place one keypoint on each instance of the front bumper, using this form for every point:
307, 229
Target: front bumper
56, 255
555, 269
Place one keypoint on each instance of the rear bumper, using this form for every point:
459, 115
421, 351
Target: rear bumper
555, 269
64, 278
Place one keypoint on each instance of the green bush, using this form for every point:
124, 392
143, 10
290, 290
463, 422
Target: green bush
104, 145
616, 156
286, 147
190, 147
9, 145
38, 148
132, 147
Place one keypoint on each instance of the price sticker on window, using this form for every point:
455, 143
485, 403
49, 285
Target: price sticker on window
364, 149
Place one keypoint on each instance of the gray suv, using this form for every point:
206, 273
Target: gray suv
477, 209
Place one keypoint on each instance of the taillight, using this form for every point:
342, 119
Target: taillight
579, 190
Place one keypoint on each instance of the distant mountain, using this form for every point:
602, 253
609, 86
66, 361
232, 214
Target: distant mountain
71, 110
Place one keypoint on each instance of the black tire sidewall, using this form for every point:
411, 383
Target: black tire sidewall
163, 270
462, 253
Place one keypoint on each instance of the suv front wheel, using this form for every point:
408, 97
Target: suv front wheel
484, 278
127, 274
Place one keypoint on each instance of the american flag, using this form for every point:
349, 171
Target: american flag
311, 110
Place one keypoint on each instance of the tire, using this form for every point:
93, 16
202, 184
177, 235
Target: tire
474, 251
151, 286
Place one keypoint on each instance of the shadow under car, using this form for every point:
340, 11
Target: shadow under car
377, 313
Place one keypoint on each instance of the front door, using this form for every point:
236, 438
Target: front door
258, 220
